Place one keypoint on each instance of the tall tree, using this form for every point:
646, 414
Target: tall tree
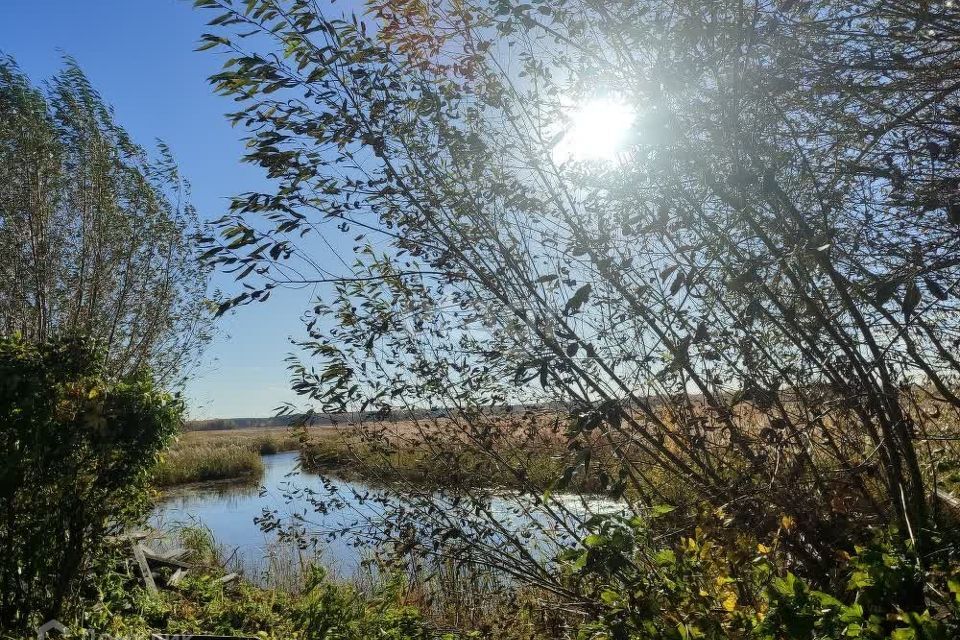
98, 236
753, 304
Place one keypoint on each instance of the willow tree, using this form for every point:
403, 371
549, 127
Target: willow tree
98, 237
750, 304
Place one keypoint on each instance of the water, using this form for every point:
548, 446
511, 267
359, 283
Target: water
231, 512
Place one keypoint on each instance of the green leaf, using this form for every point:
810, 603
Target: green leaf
859, 580
661, 510
592, 540
826, 599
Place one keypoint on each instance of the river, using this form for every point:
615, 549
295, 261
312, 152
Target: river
230, 512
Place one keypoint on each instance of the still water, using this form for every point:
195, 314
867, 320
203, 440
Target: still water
231, 514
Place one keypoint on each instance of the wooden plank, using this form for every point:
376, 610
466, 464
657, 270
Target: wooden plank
161, 558
176, 577
142, 534
949, 501
175, 554
141, 559
134, 534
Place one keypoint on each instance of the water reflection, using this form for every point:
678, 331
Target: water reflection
338, 513
231, 512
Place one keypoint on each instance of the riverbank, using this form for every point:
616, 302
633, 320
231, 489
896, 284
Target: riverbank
306, 600
452, 464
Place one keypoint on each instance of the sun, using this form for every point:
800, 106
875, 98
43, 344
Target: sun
596, 131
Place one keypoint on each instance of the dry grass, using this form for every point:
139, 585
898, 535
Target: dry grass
207, 463
435, 455
264, 440
232, 454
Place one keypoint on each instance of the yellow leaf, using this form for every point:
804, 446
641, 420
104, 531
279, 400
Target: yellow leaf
787, 522
730, 602
762, 548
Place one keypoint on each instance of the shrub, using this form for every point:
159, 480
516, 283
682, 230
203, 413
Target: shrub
712, 583
75, 452
329, 611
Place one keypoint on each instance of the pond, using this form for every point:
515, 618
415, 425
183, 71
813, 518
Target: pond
230, 512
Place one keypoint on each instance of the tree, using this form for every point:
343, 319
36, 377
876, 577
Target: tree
754, 309
76, 451
98, 237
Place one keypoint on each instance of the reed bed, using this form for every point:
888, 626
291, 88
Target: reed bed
449, 464
234, 454
182, 465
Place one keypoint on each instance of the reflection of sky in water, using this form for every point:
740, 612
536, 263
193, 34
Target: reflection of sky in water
230, 513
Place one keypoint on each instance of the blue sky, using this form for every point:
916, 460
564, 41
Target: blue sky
140, 56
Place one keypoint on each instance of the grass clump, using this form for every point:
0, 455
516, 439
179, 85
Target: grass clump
181, 465
204, 456
324, 609
447, 601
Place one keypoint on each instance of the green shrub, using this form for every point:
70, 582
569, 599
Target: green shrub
329, 611
75, 453
712, 587
202, 604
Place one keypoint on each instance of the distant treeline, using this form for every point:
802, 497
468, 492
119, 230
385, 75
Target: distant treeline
216, 424
348, 417
315, 419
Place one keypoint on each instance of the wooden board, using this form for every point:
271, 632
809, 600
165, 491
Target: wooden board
176, 577
141, 559
163, 558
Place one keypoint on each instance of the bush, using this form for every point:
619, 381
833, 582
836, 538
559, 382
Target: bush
75, 452
715, 583
329, 611
320, 609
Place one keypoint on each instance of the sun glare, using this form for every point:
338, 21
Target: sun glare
597, 131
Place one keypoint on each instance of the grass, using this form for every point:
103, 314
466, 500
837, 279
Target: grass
449, 464
182, 465
307, 602
204, 456
264, 440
